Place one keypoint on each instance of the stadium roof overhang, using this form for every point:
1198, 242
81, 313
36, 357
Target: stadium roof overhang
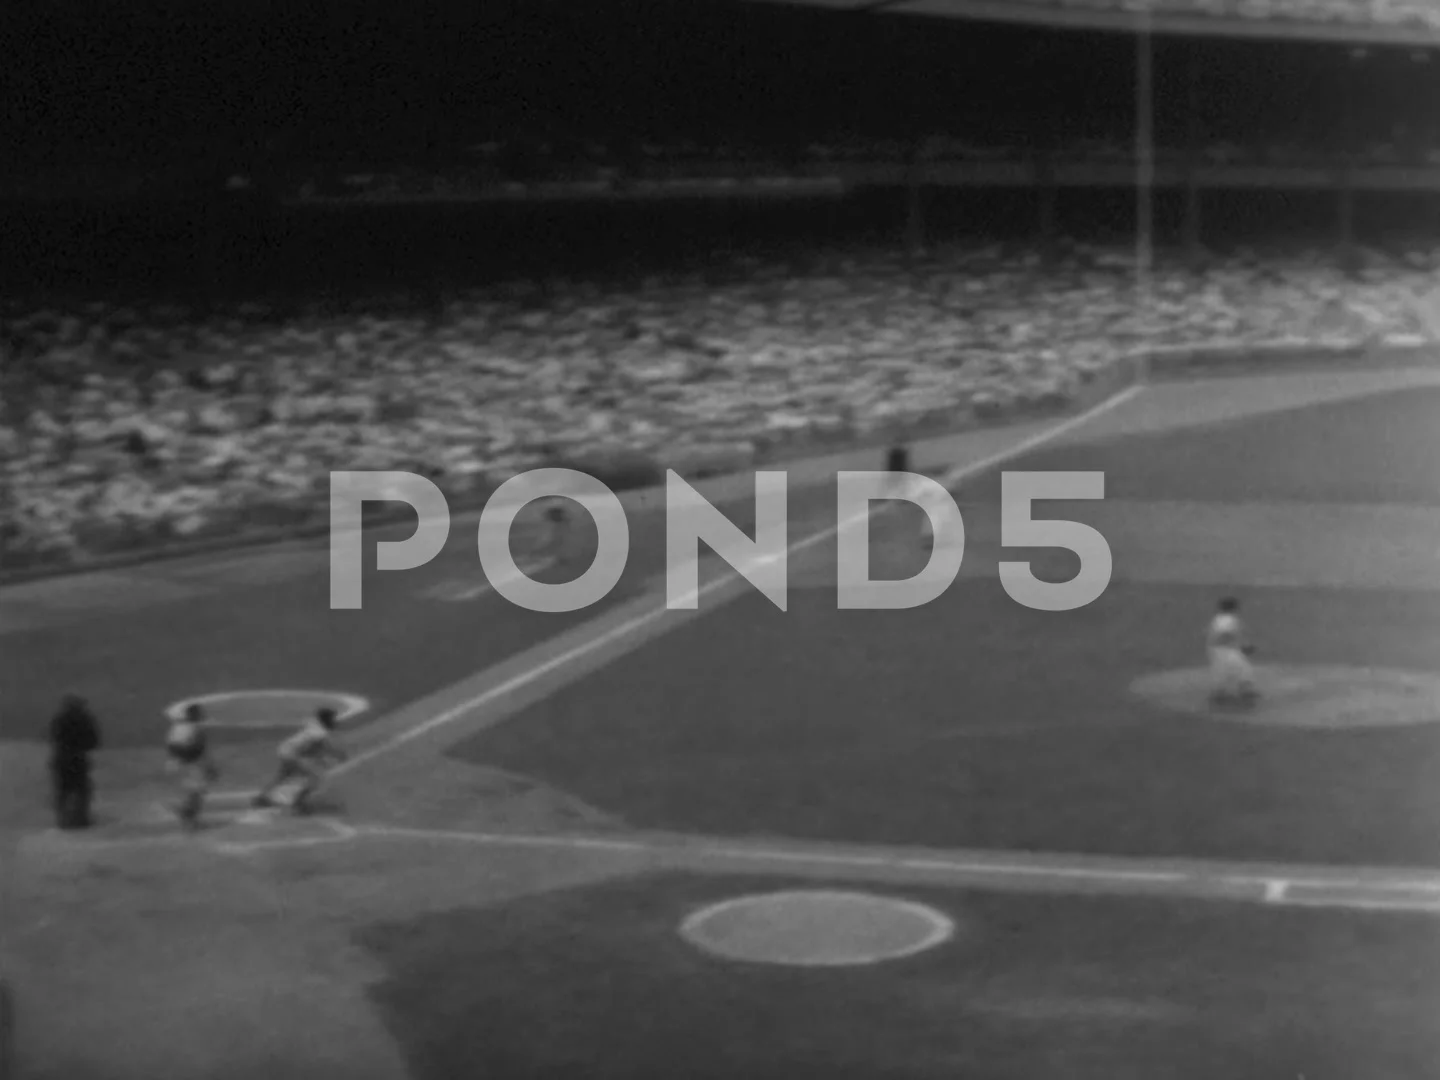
1092, 15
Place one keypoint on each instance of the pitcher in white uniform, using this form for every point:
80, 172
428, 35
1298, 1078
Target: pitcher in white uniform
1232, 679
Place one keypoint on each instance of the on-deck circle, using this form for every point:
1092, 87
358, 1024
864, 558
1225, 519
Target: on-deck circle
816, 928
269, 708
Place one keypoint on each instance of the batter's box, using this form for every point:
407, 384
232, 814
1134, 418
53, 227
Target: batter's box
229, 819
253, 830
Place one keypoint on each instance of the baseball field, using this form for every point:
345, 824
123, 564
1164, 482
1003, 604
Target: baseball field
966, 839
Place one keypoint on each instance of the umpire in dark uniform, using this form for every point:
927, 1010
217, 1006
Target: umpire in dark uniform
897, 458
897, 461
74, 736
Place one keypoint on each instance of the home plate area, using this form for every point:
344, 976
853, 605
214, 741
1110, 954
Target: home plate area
231, 822
259, 719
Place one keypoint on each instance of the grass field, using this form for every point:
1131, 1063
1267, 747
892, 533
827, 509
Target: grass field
1080, 987
537, 802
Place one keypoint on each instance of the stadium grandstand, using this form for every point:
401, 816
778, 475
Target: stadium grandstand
1290, 182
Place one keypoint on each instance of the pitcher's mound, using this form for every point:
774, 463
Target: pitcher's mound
1306, 696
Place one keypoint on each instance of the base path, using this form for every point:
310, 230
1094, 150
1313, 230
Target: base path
1353, 889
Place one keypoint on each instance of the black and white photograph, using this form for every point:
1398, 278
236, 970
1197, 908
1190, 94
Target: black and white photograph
720, 540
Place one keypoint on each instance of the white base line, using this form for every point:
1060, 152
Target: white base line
637, 622
1413, 907
901, 862
475, 590
1372, 890
1376, 892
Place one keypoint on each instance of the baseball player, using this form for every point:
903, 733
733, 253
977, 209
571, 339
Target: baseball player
899, 482
187, 750
304, 756
897, 463
74, 737
1232, 679
553, 541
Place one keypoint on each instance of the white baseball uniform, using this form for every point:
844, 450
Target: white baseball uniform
1230, 672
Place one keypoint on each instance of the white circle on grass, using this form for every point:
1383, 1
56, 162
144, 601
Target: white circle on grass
816, 928
346, 706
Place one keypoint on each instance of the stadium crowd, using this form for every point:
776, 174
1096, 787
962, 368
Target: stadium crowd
499, 165
124, 425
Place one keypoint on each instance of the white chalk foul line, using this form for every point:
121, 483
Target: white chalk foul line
461, 590
552, 840
1370, 891
1411, 907
637, 622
